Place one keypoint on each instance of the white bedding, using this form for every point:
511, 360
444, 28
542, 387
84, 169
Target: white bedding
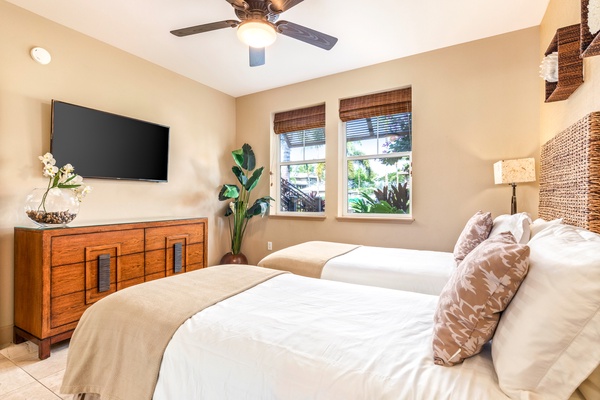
300, 338
404, 269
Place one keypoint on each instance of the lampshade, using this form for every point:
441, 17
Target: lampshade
514, 171
256, 33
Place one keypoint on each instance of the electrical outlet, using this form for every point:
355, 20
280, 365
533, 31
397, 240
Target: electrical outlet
269, 246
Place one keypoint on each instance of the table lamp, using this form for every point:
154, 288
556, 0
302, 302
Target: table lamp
513, 172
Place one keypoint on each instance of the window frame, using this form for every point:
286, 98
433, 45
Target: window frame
276, 176
343, 212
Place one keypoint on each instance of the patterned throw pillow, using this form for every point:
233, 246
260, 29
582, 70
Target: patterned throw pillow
476, 230
480, 289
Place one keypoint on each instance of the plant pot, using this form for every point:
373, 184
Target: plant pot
231, 258
51, 208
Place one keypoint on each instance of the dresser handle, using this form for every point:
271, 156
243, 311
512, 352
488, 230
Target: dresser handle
177, 257
103, 273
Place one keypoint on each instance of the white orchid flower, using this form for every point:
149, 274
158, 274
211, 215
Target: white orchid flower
82, 192
47, 159
50, 171
68, 169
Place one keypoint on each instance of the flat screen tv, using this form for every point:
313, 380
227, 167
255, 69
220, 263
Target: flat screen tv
104, 145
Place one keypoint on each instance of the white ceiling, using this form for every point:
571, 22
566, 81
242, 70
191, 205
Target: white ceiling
369, 32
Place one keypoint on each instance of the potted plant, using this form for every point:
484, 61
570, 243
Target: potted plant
58, 203
239, 209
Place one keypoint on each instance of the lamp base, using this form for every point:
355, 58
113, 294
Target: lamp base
513, 201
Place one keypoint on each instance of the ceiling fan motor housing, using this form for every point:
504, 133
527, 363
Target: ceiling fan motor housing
257, 10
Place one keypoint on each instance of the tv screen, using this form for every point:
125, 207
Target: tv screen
104, 145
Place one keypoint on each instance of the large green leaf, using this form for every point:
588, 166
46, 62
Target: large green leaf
253, 181
238, 157
249, 159
244, 157
259, 207
242, 178
383, 207
229, 192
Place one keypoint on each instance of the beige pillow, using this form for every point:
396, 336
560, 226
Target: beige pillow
479, 290
476, 230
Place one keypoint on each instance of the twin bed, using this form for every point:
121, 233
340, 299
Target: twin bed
418, 271
243, 332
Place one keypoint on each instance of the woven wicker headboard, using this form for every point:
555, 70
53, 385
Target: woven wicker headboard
570, 175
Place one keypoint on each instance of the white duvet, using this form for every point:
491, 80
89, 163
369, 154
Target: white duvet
301, 338
403, 269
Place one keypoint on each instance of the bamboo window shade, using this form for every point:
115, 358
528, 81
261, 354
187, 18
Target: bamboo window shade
374, 105
299, 120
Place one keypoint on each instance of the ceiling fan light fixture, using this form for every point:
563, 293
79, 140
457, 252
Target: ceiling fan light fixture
256, 33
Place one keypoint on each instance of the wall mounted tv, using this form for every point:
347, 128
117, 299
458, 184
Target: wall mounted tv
104, 145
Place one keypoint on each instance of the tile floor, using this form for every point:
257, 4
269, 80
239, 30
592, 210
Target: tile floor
24, 377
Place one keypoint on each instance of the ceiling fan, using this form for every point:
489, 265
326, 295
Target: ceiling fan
258, 27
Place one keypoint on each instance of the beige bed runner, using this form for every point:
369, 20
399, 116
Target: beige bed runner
307, 259
117, 348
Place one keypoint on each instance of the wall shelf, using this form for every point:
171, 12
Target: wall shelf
570, 66
590, 44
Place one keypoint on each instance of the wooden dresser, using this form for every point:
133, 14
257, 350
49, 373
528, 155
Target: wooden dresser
60, 272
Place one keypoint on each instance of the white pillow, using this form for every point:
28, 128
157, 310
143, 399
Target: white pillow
517, 224
548, 338
540, 224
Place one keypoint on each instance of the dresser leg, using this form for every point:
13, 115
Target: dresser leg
44, 349
17, 338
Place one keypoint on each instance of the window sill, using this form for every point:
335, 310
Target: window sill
407, 220
304, 216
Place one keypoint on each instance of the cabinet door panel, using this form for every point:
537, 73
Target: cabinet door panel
66, 309
156, 238
67, 279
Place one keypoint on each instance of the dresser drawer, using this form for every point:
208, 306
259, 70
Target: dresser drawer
71, 249
166, 261
71, 278
165, 237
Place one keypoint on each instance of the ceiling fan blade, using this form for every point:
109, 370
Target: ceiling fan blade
306, 35
279, 6
257, 56
192, 30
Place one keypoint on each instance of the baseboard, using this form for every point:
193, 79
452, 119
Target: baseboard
6, 336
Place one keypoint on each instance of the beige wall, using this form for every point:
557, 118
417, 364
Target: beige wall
87, 72
556, 116
473, 104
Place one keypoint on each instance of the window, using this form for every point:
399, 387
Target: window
300, 170
377, 154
